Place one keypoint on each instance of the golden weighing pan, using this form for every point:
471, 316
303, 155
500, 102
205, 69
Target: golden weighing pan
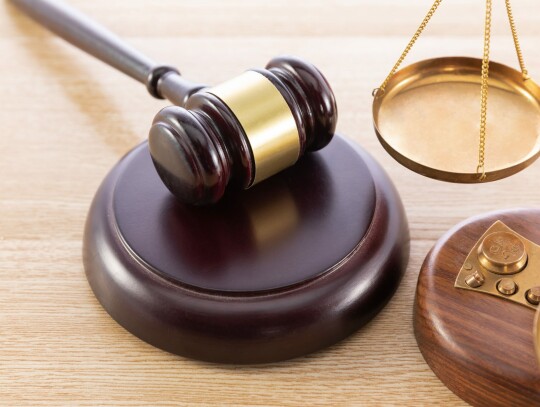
428, 119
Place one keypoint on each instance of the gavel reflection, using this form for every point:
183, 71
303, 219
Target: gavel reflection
262, 221
235, 134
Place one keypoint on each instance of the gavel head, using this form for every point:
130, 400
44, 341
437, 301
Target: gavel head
242, 131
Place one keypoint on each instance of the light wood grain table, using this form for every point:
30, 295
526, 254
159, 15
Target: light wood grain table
65, 120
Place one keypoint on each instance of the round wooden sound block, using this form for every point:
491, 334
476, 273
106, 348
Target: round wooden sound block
476, 331
288, 267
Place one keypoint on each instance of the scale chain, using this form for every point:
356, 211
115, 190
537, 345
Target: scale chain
480, 170
409, 46
524, 70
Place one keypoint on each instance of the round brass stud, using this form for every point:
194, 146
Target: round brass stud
475, 280
533, 295
502, 253
507, 286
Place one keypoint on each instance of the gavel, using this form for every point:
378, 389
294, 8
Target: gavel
233, 135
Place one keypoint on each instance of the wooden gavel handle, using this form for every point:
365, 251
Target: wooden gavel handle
162, 81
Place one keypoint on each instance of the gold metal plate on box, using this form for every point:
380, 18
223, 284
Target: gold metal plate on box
504, 264
427, 118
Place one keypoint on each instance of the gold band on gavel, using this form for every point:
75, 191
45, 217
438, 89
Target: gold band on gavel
266, 119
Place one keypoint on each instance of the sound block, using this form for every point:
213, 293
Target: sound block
288, 267
480, 345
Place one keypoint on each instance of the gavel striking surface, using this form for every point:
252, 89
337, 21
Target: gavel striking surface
288, 267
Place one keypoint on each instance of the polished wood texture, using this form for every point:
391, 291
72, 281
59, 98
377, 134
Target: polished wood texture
67, 119
289, 267
480, 346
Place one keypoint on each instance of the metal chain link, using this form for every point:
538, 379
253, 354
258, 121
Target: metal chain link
380, 90
480, 170
516, 41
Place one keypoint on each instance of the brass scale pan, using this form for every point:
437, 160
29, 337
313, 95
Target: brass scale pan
428, 119
427, 115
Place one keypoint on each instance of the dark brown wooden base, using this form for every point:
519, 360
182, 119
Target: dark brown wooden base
286, 268
480, 346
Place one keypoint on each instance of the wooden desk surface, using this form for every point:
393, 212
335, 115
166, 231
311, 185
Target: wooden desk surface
66, 119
